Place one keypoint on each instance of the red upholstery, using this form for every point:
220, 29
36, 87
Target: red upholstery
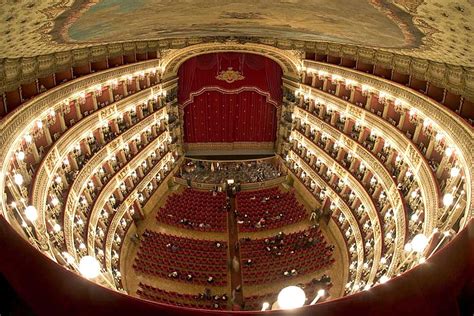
160, 254
202, 210
306, 252
185, 300
252, 208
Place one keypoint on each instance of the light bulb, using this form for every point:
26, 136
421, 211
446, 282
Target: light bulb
54, 201
449, 151
89, 267
384, 279
454, 172
419, 243
57, 228
28, 138
291, 297
20, 155
448, 199
408, 247
31, 213
18, 179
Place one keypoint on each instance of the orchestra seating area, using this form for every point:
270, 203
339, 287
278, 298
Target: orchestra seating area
182, 259
196, 210
201, 171
282, 257
198, 267
206, 300
267, 209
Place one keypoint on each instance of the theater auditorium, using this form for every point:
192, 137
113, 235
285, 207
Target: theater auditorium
205, 157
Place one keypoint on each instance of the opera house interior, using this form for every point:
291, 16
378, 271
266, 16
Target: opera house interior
204, 157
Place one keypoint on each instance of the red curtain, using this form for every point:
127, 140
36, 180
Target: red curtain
240, 111
258, 71
218, 117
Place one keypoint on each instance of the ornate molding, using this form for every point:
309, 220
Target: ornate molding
382, 174
194, 94
111, 185
359, 191
424, 175
290, 64
342, 206
229, 146
126, 204
456, 78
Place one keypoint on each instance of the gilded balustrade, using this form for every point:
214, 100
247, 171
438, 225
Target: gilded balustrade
113, 183
24, 118
333, 196
131, 198
455, 129
359, 191
408, 152
377, 168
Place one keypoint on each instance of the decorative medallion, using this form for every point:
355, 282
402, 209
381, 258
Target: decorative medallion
230, 75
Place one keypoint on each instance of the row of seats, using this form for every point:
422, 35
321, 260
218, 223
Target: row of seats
267, 209
202, 300
197, 210
284, 256
182, 259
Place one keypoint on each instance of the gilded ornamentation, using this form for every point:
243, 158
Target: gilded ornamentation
230, 75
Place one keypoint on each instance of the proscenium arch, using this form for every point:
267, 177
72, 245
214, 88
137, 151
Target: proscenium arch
290, 61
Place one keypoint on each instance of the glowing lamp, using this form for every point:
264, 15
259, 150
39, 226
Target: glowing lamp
384, 279
89, 267
20, 155
408, 247
31, 213
291, 297
454, 172
419, 243
18, 179
448, 199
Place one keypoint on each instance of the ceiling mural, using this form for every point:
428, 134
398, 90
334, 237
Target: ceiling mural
439, 30
311, 20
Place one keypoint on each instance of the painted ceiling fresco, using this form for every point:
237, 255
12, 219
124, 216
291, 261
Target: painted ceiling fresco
440, 30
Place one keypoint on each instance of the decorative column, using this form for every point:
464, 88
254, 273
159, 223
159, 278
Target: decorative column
62, 122
313, 80
338, 88
325, 84
77, 107
443, 164
352, 96
403, 115
419, 126
368, 104
386, 106
94, 100
403, 171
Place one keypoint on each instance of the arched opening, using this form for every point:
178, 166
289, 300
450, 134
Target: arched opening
230, 99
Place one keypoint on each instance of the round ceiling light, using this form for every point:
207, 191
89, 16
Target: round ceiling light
291, 297
31, 213
89, 267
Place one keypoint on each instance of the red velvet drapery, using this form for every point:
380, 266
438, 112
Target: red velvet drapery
218, 117
240, 111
